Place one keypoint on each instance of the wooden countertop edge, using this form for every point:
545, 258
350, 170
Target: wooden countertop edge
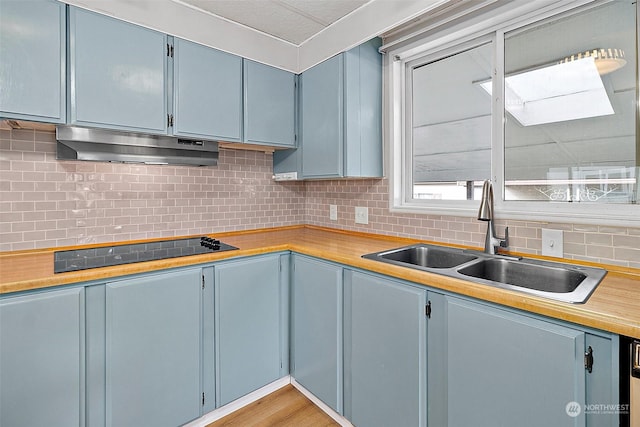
583, 314
106, 273
576, 313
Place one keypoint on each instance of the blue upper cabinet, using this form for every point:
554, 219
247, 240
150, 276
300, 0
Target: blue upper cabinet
32, 60
322, 119
269, 105
340, 118
207, 92
118, 74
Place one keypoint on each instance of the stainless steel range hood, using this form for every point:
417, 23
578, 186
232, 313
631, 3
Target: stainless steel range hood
77, 143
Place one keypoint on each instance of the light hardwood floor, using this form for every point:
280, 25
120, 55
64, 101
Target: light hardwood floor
286, 407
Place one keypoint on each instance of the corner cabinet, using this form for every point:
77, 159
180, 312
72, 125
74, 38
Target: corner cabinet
489, 366
316, 324
118, 74
340, 118
269, 105
251, 324
385, 352
43, 354
33, 60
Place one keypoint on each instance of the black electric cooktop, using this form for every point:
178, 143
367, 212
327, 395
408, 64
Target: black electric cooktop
84, 259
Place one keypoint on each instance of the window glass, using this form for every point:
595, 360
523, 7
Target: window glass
571, 108
451, 126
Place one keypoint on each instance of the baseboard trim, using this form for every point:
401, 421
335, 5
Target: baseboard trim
227, 409
320, 404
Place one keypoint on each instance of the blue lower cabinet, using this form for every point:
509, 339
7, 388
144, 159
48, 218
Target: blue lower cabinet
494, 367
602, 383
42, 361
152, 342
317, 328
385, 377
251, 300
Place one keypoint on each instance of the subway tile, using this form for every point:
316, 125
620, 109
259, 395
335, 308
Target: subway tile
573, 237
599, 251
632, 242
627, 254
96, 202
598, 239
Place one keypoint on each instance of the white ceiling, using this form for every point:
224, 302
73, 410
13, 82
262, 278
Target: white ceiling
293, 35
293, 21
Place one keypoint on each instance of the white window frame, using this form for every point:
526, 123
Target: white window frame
446, 42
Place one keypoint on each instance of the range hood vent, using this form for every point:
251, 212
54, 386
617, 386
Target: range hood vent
99, 145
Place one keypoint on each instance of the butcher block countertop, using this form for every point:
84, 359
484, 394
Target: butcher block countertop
614, 306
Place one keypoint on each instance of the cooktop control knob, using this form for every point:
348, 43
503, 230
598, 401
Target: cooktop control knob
210, 243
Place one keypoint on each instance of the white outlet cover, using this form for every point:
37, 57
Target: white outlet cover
552, 243
362, 215
333, 212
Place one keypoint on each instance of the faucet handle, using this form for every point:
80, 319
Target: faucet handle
504, 243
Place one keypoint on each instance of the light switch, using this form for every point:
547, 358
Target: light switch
552, 243
333, 212
362, 215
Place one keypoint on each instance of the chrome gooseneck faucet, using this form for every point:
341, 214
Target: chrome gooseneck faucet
485, 213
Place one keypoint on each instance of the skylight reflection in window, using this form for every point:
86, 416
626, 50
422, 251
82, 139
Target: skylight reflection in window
556, 93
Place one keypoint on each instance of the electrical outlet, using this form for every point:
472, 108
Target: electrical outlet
552, 243
333, 212
362, 215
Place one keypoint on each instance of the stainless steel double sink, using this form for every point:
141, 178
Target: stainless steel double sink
554, 280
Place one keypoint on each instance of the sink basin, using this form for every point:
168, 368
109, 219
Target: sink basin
553, 280
428, 256
526, 275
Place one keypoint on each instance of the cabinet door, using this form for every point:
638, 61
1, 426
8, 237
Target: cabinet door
363, 110
503, 369
270, 108
249, 330
118, 74
603, 382
322, 119
385, 352
32, 60
317, 329
207, 92
153, 349
42, 362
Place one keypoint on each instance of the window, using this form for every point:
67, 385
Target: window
450, 151
546, 107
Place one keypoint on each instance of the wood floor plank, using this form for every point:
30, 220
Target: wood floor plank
286, 407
